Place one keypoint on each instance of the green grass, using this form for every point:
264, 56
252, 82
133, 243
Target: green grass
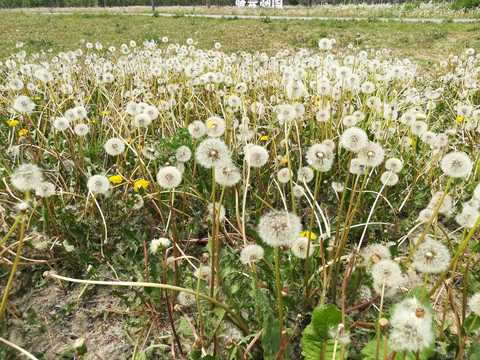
64, 32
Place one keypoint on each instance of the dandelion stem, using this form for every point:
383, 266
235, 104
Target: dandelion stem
312, 218
12, 229
15, 262
238, 321
279, 295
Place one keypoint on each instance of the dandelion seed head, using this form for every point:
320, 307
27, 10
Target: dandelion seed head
467, 217
372, 154
196, 129
279, 228
205, 273
393, 164
142, 120
183, 154
320, 157
418, 127
23, 104
227, 174
374, 253
256, 155
26, 177
409, 332
386, 273
252, 253
305, 174
159, 244
354, 139
114, 146
456, 164
61, 124
300, 247
45, 189
215, 126
220, 216
284, 175
298, 191
431, 257
389, 178
81, 129
98, 184
169, 177
212, 153
357, 166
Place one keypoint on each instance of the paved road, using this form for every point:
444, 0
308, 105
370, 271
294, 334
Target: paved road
217, 16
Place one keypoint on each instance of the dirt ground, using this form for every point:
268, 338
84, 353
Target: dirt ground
56, 320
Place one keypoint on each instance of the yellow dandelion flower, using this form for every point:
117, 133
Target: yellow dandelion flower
92, 122
128, 141
141, 184
38, 98
23, 132
285, 160
411, 142
116, 179
264, 138
307, 233
13, 123
461, 119
105, 112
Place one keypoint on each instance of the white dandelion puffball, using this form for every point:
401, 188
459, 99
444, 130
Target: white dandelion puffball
23, 104
354, 139
114, 146
284, 175
389, 178
169, 177
142, 120
431, 257
456, 164
212, 153
45, 189
98, 184
279, 228
183, 154
196, 129
227, 174
256, 155
26, 177
410, 331
305, 174
159, 244
61, 124
375, 252
81, 129
393, 164
215, 126
300, 248
252, 253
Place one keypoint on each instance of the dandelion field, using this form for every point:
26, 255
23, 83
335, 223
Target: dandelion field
317, 203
